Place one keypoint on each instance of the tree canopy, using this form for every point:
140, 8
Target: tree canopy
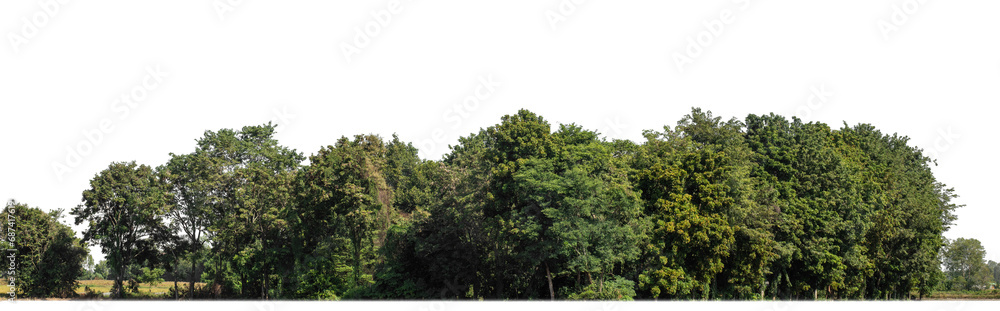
760, 208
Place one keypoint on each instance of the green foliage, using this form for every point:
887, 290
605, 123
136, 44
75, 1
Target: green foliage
965, 267
345, 206
124, 210
685, 187
101, 270
153, 277
49, 257
617, 288
764, 207
244, 198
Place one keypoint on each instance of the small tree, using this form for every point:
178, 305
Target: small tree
966, 267
152, 277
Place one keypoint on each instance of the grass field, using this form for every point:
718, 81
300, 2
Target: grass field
966, 295
104, 286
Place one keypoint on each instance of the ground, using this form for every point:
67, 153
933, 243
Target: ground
104, 286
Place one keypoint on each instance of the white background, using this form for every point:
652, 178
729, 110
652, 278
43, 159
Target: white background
606, 65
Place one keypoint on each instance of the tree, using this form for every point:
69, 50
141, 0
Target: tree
124, 211
994, 271
403, 174
964, 263
101, 270
191, 179
346, 205
88, 268
245, 179
446, 249
149, 276
50, 257
685, 191
751, 213
591, 218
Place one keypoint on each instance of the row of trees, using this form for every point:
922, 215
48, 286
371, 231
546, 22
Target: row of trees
765, 207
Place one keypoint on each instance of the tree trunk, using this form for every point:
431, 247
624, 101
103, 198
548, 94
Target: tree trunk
118, 281
175, 288
548, 274
191, 278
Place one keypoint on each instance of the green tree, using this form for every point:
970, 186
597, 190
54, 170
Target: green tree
345, 205
87, 267
124, 211
101, 270
245, 179
153, 277
994, 271
192, 179
751, 214
964, 263
590, 220
446, 250
685, 190
50, 258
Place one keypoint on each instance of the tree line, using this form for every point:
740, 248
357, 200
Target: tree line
761, 208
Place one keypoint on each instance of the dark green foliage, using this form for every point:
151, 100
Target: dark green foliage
248, 192
759, 208
343, 214
124, 210
49, 257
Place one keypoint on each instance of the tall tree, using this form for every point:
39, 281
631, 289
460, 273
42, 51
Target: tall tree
247, 176
124, 210
591, 218
345, 203
750, 214
684, 187
191, 179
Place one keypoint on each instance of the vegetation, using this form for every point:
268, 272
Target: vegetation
99, 288
760, 208
49, 257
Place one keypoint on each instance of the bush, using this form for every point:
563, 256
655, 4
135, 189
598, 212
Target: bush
617, 288
89, 293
